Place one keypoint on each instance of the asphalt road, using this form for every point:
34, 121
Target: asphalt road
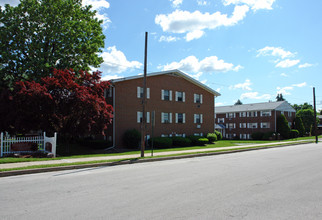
279, 183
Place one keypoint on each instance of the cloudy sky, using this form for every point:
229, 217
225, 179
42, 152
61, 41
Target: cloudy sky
245, 49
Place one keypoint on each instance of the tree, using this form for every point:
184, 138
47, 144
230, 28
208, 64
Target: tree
39, 35
307, 116
299, 125
302, 106
238, 102
73, 106
279, 98
282, 126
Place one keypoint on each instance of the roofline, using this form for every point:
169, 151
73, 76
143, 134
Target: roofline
179, 72
269, 108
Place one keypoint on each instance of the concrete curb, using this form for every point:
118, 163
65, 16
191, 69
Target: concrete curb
132, 161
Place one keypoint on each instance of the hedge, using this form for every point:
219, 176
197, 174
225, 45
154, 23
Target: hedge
212, 137
198, 140
162, 142
131, 138
219, 135
181, 142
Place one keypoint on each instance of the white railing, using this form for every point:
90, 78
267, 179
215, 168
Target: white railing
41, 141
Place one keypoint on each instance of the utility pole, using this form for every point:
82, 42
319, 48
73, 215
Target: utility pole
143, 125
315, 127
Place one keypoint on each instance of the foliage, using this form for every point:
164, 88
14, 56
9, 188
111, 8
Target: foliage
94, 144
72, 106
181, 142
131, 138
307, 116
269, 135
162, 142
219, 135
279, 98
282, 126
257, 135
294, 133
39, 35
302, 106
299, 125
212, 137
238, 102
198, 140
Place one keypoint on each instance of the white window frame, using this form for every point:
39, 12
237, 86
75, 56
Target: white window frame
196, 117
163, 114
252, 125
221, 120
195, 98
183, 118
265, 125
242, 125
183, 96
266, 113
163, 95
139, 92
242, 114
139, 117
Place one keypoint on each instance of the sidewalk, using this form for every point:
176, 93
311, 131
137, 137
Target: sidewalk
133, 156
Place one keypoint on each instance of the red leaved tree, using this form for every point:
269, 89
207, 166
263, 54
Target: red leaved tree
73, 106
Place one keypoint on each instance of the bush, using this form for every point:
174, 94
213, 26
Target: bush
257, 135
269, 135
162, 142
212, 137
282, 126
94, 144
132, 138
219, 135
181, 142
294, 133
198, 140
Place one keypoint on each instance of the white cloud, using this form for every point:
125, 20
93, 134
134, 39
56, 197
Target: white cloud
305, 65
285, 90
176, 3
194, 35
287, 63
254, 95
244, 86
202, 2
185, 22
10, 2
99, 6
300, 84
109, 77
208, 64
116, 62
284, 74
275, 51
168, 38
254, 4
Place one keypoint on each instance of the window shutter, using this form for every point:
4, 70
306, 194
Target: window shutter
256, 114
184, 135
162, 117
148, 93
176, 117
176, 97
226, 115
138, 117
234, 115
247, 114
184, 118
200, 118
138, 92
170, 95
194, 118
183, 96
234, 125
162, 94
200, 99
170, 117
148, 117
194, 98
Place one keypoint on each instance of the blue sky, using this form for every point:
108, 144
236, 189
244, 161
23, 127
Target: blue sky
245, 49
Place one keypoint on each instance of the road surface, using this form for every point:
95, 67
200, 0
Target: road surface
279, 183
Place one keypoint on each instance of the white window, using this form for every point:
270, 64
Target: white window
140, 117
243, 136
265, 124
242, 125
198, 118
166, 95
198, 98
289, 114
166, 117
242, 114
221, 120
230, 125
252, 125
180, 96
251, 114
266, 113
230, 115
140, 92
180, 118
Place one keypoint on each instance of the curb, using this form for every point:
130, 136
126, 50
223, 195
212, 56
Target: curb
133, 161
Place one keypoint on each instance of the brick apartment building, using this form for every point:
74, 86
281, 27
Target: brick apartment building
242, 120
182, 105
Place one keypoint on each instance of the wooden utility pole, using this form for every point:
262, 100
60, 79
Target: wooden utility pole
315, 127
143, 124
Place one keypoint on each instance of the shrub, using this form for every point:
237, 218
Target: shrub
212, 137
181, 142
162, 142
294, 133
282, 126
94, 144
219, 135
198, 140
257, 135
131, 138
268, 136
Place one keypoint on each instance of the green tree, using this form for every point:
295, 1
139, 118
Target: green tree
238, 102
299, 125
39, 35
282, 126
279, 98
302, 106
307, 116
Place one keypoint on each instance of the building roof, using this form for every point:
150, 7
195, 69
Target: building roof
280, 106
170, 72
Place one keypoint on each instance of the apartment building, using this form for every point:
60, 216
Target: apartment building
178, 104
240, 121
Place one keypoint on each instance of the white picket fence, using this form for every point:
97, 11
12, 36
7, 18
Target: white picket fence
41, 141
